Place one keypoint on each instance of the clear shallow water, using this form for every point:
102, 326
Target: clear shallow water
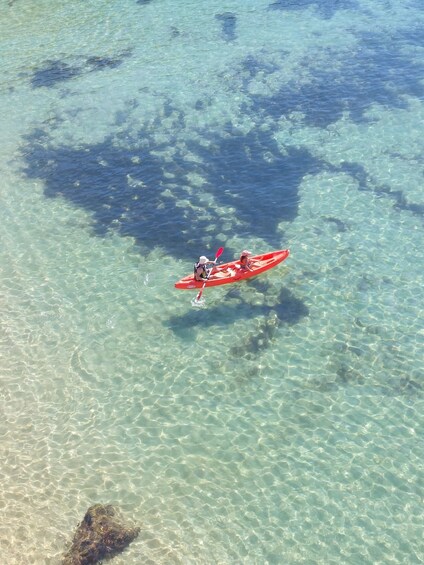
282, 422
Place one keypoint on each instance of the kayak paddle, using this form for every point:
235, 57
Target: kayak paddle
217, 255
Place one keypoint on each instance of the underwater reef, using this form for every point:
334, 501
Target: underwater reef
100, 535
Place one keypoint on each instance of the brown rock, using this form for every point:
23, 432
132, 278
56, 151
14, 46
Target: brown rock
100, 535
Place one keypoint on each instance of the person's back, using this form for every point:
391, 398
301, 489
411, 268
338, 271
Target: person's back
244, 260
201, 273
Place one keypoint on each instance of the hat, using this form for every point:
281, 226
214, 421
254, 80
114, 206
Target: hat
203, 260
245, 252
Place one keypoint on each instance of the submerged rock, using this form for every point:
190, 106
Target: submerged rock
98, 536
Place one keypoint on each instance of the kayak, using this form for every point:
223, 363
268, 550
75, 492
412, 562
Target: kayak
232, 272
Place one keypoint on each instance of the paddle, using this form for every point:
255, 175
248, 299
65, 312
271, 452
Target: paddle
217, 255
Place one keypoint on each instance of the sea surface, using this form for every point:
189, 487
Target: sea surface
279, 421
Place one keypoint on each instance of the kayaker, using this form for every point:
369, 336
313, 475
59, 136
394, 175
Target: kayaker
201, 272
244, 260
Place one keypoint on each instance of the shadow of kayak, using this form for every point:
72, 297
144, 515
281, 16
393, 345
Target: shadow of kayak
288, 310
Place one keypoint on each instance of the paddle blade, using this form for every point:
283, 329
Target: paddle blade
219, 253
199, 294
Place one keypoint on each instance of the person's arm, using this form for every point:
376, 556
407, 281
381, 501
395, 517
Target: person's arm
210, 269
211, 265
249, 263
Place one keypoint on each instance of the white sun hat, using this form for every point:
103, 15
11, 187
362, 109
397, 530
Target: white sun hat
245, 252
203, 260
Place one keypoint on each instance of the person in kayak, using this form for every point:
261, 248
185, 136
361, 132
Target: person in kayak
244, 260
201, 272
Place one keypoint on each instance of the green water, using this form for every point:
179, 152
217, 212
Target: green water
282, 422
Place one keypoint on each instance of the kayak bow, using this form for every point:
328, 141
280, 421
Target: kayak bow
232, 272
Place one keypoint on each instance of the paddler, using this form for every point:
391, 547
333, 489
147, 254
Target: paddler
244, 260
201, 272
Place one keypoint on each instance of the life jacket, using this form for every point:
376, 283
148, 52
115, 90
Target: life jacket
203, 274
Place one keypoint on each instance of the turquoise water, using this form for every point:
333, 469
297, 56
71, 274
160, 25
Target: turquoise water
281, 422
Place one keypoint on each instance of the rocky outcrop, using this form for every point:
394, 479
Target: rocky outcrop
100, 535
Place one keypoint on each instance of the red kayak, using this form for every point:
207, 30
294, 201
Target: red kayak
232, 272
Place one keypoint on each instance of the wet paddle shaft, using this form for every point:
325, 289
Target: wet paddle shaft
217, 255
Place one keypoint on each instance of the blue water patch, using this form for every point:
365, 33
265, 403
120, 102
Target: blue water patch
251, 66
97, 63
120, 187
326, 8
244, 171
174, 31
228, 21
402, 202
375, 72
366, 182
52, 73
58, 71
255, 178
248, 172
339, 225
